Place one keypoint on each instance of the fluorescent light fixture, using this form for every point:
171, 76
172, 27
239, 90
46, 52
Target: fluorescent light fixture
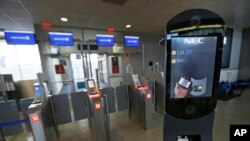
102, 35
132, 37
63, 19
196, 27
128, 26
19, 31
59, 33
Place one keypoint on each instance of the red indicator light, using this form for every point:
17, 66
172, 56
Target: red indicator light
149, 96
91, 96
35, 118
141, 88
98, 106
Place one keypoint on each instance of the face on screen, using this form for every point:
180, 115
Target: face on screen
192, 66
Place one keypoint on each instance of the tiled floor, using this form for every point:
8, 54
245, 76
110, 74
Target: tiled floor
235, 111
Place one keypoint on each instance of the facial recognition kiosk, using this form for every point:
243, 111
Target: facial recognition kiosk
194, 41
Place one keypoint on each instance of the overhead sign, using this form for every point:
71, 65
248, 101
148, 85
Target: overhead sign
105, 40
19, 37
61, 39
131, 41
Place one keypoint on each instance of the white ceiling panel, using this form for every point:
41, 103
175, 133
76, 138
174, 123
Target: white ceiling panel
10, 4
16, 14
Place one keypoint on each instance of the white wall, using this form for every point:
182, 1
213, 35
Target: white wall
234, 59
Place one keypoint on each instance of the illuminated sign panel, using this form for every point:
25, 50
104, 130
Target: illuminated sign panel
61, 39
132, 41
19, 37
105, 40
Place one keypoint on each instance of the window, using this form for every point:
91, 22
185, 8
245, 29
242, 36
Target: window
22, 61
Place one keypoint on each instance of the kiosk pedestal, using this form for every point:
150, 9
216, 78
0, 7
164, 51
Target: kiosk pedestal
200, 129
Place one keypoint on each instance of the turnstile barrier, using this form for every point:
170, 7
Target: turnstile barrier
79, 105
61, 108
140, 101
42, 120
110, 93
122, 97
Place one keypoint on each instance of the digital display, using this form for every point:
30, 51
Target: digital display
132, 41
192, 66
91, 84
105, 40
38, 90
61, 39
81, 85
20, 37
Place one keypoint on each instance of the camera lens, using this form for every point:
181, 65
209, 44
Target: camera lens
195, 20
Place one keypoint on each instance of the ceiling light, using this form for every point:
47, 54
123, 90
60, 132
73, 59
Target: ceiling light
128, 26
63, 19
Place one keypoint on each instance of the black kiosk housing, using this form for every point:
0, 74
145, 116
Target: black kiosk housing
194, 41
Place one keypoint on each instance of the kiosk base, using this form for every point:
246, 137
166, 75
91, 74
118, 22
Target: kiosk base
199, 129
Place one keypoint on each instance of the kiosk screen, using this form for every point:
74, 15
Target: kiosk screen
192, 66
91, 84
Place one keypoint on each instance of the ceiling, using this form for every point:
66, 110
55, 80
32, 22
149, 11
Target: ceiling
147, 16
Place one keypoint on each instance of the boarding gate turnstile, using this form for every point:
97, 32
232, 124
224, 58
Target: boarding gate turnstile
140, 101
45, 117
98, 113
41, 115
157, 86
42, 120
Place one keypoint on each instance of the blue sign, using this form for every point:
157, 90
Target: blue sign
105, 40
132, 41
19, 37
61, 39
